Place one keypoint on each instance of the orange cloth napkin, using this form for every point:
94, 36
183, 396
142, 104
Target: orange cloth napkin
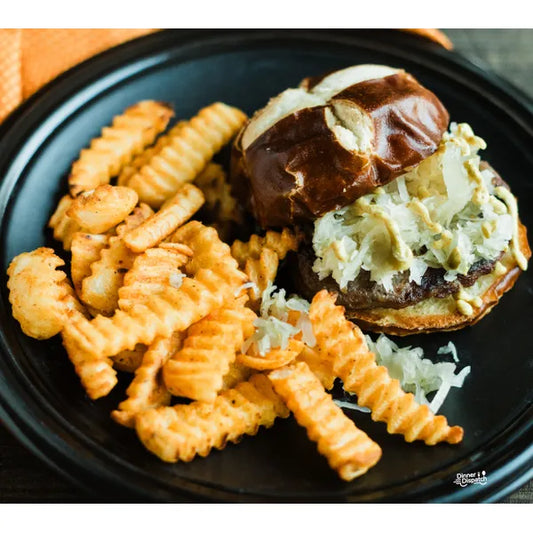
29, 58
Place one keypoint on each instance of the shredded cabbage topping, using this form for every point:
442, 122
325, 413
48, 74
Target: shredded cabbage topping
443, 213
272, 328
415, 373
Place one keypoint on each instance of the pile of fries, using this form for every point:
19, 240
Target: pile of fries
157, 293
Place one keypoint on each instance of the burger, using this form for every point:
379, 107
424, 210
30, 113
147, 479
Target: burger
401, 216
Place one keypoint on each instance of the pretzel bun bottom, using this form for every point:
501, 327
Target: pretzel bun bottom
441, 314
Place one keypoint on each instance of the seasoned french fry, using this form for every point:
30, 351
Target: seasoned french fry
144, 157
262, 272
190, 148
213, 285
201, 240
281, 243
100, 289
85, 250
321, 366
274, 358
349, 451
40, 295
129, 134
64, 227
173, 213
103, 208
197, 370
153, 273
147, 390
95, 371
343, 342
181, 432
129, 360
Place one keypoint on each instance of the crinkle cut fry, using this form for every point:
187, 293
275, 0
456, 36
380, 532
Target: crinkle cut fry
101, 209
144, 157
147, 390
214, 284
189, 150
174, 212
319, 365
100, 289
344, 343
40, 294
181, 432
64, 228
281, 243
96, 372
128, 135
262, 272
275, 358
197, 370
348, 450
86, 249
153, 273
206, 246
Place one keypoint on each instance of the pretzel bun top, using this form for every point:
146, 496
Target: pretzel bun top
322, 145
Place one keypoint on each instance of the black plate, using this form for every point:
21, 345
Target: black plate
40, 397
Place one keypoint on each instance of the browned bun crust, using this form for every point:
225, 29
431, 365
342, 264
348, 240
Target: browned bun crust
298, 169
441, 314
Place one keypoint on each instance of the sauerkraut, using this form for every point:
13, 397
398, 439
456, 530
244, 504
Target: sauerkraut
443, 213
272, 327
417, 374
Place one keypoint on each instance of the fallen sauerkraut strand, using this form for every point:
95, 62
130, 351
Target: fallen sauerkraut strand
273, 329
417, 374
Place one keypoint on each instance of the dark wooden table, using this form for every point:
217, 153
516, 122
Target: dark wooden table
24, 478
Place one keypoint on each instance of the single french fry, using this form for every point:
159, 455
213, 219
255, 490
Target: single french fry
200, 239
147, 390
144, 157
181, 432
40, 295
274, 358
342, 341
213, 285
85, 250
189, 149
100, 289
281, 243
153, 272
129, 360
63, 226
103, 208
321, 366
95, 371
128, 135
348, 450
173, 213
262, 272
197, 370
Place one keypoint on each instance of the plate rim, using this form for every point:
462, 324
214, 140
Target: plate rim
154, 45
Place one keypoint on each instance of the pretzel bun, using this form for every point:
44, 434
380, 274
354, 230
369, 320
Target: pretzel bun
322, 145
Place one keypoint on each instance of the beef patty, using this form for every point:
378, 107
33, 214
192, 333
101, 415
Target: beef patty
362, 293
